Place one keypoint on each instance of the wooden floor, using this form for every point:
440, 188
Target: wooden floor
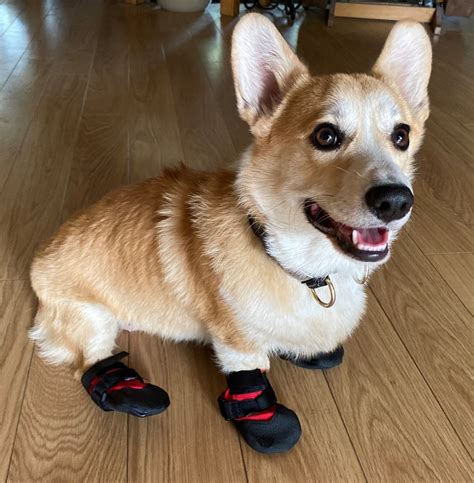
94, 94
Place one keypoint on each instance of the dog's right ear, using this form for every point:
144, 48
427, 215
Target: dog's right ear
264, 68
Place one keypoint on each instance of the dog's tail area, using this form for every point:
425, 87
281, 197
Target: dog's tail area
49, 334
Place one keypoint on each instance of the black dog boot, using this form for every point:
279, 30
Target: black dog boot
321, 361
115, 387
250, 403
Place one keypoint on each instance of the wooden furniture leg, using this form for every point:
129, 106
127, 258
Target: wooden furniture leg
332, 8
135, 2
437, 20
230, 7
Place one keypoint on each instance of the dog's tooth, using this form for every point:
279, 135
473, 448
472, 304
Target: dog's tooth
354, 237
369, 248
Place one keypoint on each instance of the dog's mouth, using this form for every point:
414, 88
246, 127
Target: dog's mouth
363, 244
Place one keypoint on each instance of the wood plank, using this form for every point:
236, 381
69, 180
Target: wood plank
324, 452
80, 439
28, 22
100, 161
16, 308
4, 74
383, 12
210, 41
214, 51
141, 27
63, 434
8, 14
213, 35
396, 425
10, 55
205, 139
322, 49
462, 150
456, 50
108, 88
220, 77
457, 270
155, 138
443, 194
19, 100
27, 82
435, 227
190, 441
35, 188
67, 38
108, 84
434, 327
114, 35
461, 102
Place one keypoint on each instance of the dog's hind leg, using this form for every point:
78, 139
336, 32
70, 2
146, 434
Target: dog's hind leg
84, 334
74, 332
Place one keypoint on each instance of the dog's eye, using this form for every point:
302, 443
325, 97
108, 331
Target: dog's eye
326, 137
401, 136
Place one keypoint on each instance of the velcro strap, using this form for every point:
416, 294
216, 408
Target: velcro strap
243, 382
100, 368
239, 409
116, 373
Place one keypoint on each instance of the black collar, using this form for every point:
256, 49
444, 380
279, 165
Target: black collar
261, 234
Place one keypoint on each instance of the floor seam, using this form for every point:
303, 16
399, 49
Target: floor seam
27, 380
427, 257
78, 127
345, 427
433, 393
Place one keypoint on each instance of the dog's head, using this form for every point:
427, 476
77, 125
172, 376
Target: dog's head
330, 171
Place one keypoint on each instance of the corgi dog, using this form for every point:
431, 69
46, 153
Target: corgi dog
263, 261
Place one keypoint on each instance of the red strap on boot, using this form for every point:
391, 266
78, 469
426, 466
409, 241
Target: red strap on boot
264, 415
248, 386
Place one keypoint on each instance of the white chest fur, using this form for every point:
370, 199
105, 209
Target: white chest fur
299, 325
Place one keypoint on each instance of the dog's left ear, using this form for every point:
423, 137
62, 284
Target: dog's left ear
405, 62
264, 68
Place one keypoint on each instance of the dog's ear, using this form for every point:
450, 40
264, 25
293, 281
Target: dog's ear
264, 68
405, 61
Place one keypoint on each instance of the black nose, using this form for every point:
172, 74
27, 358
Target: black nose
389, 202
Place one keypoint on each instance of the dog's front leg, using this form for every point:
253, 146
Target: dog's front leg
232, 359
250, 403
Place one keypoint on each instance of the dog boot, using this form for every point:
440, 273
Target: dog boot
115, 387
321, 361
250, 403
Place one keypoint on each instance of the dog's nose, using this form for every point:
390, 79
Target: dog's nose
389, 201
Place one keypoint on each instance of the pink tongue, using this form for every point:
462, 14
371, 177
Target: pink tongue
372, 236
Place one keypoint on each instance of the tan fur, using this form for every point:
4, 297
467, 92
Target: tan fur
175, 256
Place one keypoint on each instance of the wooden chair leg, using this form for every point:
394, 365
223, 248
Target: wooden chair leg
437, 20
332, 7
230, 7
